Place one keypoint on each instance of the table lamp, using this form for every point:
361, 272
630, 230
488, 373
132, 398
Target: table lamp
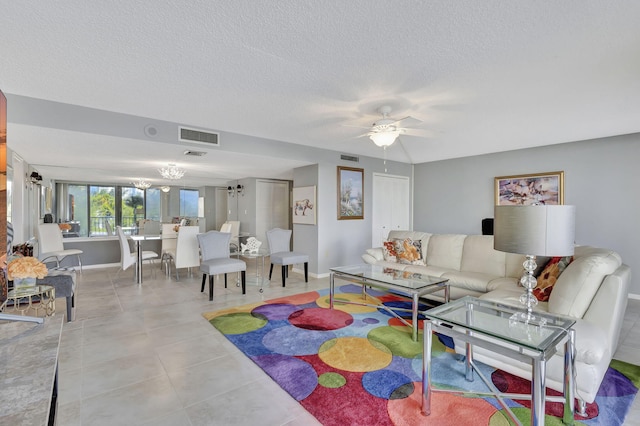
536, 230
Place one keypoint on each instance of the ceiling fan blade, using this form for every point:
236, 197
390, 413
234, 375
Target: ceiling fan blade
408, 117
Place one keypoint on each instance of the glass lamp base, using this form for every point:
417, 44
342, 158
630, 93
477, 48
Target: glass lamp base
527, 318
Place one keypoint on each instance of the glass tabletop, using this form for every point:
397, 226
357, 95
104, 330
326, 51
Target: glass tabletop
503, 321
29, 291
387, 275
260, 253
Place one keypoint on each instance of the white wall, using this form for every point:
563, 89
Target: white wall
601, 179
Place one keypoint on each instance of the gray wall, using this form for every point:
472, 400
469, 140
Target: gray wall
601, 175
337, 242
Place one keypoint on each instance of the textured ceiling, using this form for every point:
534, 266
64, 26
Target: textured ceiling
482, 76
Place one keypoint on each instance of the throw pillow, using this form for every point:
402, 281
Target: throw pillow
409, 252
549, 276
389, 251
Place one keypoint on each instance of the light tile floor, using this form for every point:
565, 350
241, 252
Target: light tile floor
144, 355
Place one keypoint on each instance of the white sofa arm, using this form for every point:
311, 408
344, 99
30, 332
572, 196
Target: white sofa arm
373, 255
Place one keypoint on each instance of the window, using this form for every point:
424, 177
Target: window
152, 208
189, 202
77, 210
102, 207
132, 206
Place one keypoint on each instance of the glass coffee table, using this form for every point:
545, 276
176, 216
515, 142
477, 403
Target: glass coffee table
408, 284
500, 329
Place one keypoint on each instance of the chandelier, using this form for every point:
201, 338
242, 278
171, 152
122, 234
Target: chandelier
141, 184
171, 172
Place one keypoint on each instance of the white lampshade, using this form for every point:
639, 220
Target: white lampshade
384, 138
535, 230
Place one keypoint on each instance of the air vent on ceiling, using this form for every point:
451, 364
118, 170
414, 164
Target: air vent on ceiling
198, 136
194, 153
349, 158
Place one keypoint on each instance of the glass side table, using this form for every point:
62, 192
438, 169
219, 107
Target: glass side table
260, 278
494, 326
40, 298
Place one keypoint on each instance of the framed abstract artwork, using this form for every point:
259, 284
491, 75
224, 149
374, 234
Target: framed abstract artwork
528, 190
350, 193
304, 205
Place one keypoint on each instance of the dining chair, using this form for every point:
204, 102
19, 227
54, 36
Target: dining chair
151, 227
108, 226
50, 245
281, 254
186, 253
214, 247
232, 226
169, 237
127, 257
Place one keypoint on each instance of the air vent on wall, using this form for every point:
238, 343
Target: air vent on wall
349, 158
194, 153
198, 136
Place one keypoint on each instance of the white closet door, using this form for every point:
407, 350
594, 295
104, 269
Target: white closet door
272, 207
391, 206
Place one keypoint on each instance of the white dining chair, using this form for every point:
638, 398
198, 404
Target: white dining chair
187, 252
128, 257
169, 237
50, 245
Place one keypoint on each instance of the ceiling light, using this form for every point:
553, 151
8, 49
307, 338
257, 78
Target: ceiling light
171, 172
141, 184
165, 188
384, 139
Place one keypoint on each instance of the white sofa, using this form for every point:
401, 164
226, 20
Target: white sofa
593, 289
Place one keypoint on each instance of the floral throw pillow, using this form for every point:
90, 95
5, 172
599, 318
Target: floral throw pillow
549, 276
409, 252
389, 251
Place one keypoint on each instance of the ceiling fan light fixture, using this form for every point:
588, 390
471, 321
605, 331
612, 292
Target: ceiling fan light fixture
384, 139
171, 172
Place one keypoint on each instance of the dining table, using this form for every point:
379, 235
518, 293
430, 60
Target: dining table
139, 239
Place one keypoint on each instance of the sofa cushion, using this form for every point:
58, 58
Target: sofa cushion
445, 251
580, 281
514, 266
476, 281
549, 276
478, 255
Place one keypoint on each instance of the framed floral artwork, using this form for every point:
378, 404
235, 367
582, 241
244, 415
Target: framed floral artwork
528, 190
350, 193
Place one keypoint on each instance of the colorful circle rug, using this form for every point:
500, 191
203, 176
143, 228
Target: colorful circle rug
357, 365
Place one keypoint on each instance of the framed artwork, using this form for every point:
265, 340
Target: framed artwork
304, 205
350, 193
527, 190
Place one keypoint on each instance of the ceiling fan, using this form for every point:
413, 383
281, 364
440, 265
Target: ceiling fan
385, 131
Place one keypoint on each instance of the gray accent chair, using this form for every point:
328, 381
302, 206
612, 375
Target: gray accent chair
281, 254
215, 259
